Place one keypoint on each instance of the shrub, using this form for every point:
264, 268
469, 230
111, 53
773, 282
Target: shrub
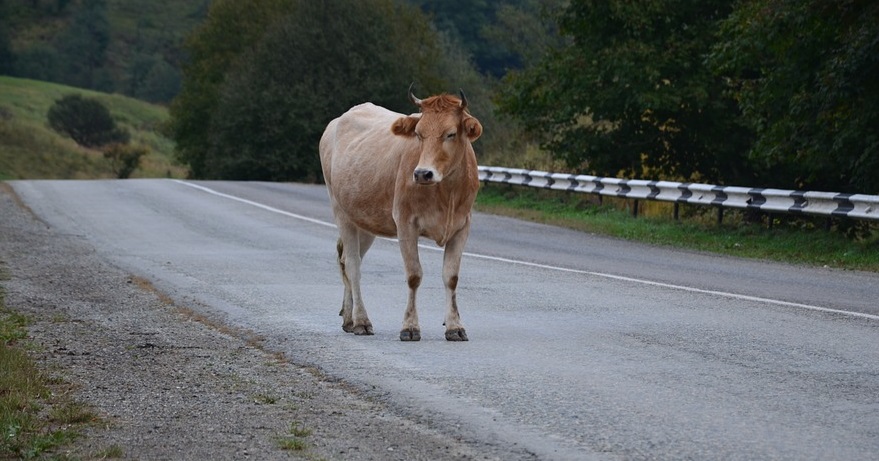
124, 159
85, 120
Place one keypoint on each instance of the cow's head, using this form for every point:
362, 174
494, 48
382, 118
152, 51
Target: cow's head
444, 130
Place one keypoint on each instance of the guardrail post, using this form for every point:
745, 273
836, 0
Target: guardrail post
719, 215
635, 208
677, 212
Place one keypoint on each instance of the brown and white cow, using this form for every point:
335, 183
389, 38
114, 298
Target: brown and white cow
403, 176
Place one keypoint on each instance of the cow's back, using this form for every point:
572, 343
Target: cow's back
360, 157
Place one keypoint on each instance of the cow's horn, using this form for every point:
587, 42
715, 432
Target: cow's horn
463, 99
412, 97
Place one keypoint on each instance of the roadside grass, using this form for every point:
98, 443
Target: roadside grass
111, 452
29, 149
800, 241
36, 416
293, 439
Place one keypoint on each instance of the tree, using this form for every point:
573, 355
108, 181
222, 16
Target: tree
161, 83
137, 72
628, 93
85, 120
270, 105
7, 57
83, 47
805, 76
39, 62
465, 22
232, 28
527, 30
309, 68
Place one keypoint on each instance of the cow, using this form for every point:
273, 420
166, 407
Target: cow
404, 176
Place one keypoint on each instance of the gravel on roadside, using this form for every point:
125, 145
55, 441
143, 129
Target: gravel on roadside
168, 383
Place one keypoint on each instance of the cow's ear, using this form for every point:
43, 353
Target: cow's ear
472, 128
404, 126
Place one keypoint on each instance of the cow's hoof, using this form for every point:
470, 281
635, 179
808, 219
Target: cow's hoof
456, 335
348, 327
363, 330
410, 335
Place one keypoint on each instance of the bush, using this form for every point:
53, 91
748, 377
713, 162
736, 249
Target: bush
85, 120
124, 159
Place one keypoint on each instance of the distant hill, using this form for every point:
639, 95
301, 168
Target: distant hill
124, 46
29, 149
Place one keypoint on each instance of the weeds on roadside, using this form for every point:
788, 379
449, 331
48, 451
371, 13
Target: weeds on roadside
293, 439
111, 452
33, 421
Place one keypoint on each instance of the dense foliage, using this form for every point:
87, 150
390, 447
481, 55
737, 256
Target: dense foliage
308, 68
82, 47
86, 121
774, 93
467, 22
806, 75
135, 47
230, 29
257, 96
628, 94
106, 45
778, 93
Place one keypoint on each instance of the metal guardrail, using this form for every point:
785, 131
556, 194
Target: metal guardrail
831, 204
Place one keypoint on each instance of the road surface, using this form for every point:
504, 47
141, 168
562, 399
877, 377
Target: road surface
581, 347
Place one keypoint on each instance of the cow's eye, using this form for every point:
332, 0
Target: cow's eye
451, 135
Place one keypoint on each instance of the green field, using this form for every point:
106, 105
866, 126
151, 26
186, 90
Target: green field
29, 149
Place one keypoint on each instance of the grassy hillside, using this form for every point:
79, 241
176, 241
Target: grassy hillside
29, 149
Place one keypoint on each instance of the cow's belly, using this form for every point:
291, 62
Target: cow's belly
368, 211
374, 222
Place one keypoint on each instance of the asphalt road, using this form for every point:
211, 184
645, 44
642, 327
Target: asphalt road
581, 347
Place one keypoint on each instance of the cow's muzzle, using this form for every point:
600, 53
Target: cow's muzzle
425, 176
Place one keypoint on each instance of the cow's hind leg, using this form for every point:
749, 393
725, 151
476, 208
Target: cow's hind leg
451, 266
351, 247
347, 299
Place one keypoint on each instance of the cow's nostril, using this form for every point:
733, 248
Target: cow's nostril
423, 175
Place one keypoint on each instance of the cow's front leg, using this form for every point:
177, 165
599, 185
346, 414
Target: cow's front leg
411, 331
451, 265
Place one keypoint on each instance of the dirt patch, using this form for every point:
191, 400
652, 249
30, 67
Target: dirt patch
168, 383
